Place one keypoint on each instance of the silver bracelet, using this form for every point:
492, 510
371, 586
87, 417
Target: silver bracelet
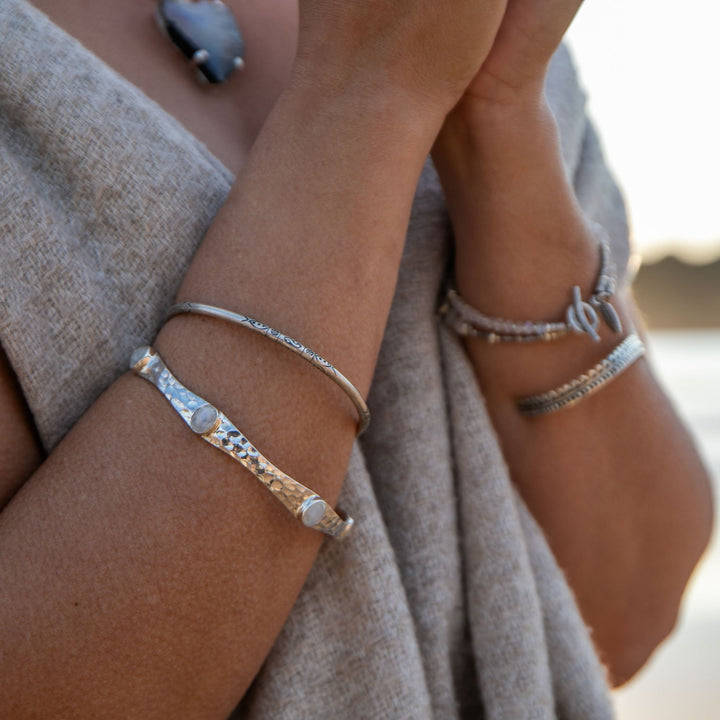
580, 317
621, 358
213, 426
286, 341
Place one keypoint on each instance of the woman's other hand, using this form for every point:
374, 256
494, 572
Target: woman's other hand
615, 482
514, 70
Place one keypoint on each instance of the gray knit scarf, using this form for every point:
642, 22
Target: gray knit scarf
446, 602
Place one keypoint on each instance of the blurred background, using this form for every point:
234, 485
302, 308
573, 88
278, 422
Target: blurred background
650, 69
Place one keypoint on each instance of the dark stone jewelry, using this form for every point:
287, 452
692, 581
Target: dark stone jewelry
206, 33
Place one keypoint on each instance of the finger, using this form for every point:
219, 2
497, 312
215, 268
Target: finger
537, 26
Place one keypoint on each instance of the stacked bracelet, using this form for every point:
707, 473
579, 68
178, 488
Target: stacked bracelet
621, 358
214, 427
306, 353
581, 316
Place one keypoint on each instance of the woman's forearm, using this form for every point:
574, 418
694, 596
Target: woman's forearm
20, 452
615, 481
143, 573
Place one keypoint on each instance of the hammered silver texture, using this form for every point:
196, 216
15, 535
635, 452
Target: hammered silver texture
226, 437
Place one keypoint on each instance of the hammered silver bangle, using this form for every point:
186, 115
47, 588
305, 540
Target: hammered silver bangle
581, 315
621, 358
286, 341
214, 427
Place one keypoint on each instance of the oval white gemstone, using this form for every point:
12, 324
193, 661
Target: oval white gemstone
313, 512
203, 419
138, 355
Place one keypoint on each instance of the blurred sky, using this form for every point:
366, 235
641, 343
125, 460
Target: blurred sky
651, 70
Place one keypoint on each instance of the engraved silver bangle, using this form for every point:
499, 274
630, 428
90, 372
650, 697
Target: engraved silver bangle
214, 427
286, 341
581, 315
621, 358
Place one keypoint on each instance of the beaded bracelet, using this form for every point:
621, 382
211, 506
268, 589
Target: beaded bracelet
580, 317
214, 427
621, 358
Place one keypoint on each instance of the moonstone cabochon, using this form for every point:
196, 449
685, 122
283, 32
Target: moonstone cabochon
313, 512
137, 355
204, 419
204, 25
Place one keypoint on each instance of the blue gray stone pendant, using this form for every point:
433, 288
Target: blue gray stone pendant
207, 33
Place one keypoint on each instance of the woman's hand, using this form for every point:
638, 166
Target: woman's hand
502, 127
514, 70
499, 151
425, 52
506, 94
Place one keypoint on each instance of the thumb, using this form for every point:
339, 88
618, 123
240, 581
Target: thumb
529, 34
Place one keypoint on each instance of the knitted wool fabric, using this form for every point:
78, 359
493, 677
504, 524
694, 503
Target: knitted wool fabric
445, 602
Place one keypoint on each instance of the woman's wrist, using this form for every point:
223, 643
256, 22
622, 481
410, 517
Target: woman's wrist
522, 242
479, 138
521, 238
374, 102
369, 108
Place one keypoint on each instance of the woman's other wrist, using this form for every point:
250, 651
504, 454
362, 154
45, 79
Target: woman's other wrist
521, 239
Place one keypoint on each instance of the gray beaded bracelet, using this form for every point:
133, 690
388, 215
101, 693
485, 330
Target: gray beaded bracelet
286, 341
621, 358
214, 427
580, 317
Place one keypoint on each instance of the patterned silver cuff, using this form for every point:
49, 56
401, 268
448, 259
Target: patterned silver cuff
214, 427
317, 361
621, 358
